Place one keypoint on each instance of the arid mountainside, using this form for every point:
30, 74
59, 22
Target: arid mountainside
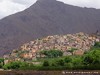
44, 18
70, 44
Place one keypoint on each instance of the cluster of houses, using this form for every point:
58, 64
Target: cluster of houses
70, 44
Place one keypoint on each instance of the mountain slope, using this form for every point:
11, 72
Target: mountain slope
46, 17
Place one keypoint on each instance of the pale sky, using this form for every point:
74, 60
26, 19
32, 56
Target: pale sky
8, 7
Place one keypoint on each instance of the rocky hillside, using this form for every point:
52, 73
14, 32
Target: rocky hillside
70, 44
44, 18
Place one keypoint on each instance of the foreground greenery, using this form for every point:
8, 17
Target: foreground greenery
55, 61
52, 53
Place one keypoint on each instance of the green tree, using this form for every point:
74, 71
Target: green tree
16, 65
52, 53
77, 62
1, 62
60, 62
97, 44
93, 57
45, 63
68, 59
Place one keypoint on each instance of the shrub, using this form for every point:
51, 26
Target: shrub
45, 63
60, 62
52, 53
68, 59
97, 44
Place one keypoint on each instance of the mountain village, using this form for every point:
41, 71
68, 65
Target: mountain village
70, 44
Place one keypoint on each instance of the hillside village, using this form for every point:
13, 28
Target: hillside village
70, 44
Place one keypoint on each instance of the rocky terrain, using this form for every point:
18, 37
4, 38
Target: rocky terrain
44, 18
70, 44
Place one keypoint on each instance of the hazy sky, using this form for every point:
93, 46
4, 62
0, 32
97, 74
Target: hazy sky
8, 7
